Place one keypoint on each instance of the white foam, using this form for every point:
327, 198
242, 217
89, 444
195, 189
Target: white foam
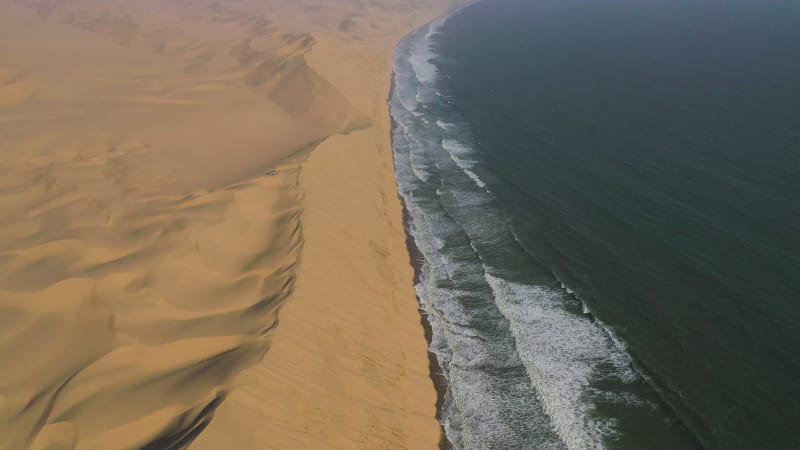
476, 408
560, 352
422, 53
625, 398
405, 86
416, 162
462, 351
465, 198
458, 153
477, 405
445, 125
474, 177
455, 147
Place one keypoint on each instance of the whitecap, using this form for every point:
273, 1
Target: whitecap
560, 352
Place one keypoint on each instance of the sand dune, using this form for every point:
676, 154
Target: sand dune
145, 251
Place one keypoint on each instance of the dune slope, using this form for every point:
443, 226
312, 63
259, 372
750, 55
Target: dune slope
146, 245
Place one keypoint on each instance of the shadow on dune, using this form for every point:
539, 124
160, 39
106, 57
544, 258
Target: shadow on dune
133, 292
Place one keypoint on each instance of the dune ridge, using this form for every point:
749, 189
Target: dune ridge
173, 173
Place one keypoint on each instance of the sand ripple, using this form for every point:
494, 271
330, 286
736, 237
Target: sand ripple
144, 250
145, 244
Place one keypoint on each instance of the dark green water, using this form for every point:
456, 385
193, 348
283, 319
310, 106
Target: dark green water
644, 153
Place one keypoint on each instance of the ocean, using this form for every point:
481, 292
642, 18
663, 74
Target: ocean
606, 198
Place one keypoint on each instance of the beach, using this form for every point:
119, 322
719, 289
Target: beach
201, 239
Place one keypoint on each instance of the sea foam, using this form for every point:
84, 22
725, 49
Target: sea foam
561, 352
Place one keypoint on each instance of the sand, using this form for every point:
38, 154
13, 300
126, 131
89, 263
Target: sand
158, 285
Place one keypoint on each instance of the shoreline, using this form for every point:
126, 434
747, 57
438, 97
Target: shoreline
416, 260
436, 371
361, 360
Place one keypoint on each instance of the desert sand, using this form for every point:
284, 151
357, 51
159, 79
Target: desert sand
201, 241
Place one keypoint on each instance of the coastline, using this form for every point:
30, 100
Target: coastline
212, 213
436, 372
404, 404
435, 369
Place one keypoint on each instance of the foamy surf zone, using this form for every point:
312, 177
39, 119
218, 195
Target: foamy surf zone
526, 364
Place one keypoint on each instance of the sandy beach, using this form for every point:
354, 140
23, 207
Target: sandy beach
201, 240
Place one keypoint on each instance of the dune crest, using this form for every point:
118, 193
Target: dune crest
155, 200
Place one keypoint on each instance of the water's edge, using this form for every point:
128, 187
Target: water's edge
435, 369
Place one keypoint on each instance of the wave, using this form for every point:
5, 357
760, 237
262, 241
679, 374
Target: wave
478, 401
561, 352
422, 53
475, 408
521, 366
446, 126
456, 150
